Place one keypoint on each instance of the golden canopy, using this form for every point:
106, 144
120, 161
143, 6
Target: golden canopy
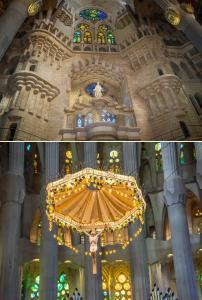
94, 200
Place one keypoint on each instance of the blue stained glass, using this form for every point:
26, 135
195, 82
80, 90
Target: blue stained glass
28, 147
108, 117
93, 14
90, 89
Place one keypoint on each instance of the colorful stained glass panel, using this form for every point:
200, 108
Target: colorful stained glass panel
93, 14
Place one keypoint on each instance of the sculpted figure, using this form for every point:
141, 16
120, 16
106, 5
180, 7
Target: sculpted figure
98, 90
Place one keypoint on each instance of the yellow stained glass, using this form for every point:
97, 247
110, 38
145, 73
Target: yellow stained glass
122, 278
118, 287
126, 286
83, 26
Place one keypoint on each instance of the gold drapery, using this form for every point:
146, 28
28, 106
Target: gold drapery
94, 200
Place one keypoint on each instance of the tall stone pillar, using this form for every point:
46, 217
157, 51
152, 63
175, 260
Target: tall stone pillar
191, 28
174, 193
137, 248
12, 192
90, 155
10, 23
49, 247
198, 147
93, 283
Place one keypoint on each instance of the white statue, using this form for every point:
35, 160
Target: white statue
93, 239
98, 90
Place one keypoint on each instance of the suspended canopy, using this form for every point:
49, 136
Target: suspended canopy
93, 200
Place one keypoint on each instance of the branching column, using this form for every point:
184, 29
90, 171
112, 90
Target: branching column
93, 283
12, 191
198, 147
188, 25
137, 248
174, 193
49, 247
10, 22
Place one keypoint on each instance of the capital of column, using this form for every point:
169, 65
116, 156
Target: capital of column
174, 190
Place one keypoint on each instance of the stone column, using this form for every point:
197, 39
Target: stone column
90, 155
12, 191
10, 23
93, 283
137, 248
198, 147
174, 193
49, 247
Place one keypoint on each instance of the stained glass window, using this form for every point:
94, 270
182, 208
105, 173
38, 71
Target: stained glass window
90, 89
87, 37
93, 14
108, 117
101, 37
123, 288
158, 157
79, 121
62, 287
182, 157
104, 27
83, 26
77, 37
89, 119
111, 38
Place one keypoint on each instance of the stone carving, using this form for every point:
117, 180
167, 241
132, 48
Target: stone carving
98, 90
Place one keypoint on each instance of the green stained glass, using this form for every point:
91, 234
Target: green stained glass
111, 38
93, 14
77, 37
34, 287
182, 158
60, 287
62, 278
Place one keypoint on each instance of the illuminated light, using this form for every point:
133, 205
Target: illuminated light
34, 8
173, 16
170, 255
35, 259
37, 279
103, 261
28, 147
119, 260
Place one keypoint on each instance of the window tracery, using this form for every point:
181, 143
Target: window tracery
102, 32
107, 117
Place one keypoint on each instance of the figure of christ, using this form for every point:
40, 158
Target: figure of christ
98, 90
93, 239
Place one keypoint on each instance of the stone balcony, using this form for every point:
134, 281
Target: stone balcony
101, 131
